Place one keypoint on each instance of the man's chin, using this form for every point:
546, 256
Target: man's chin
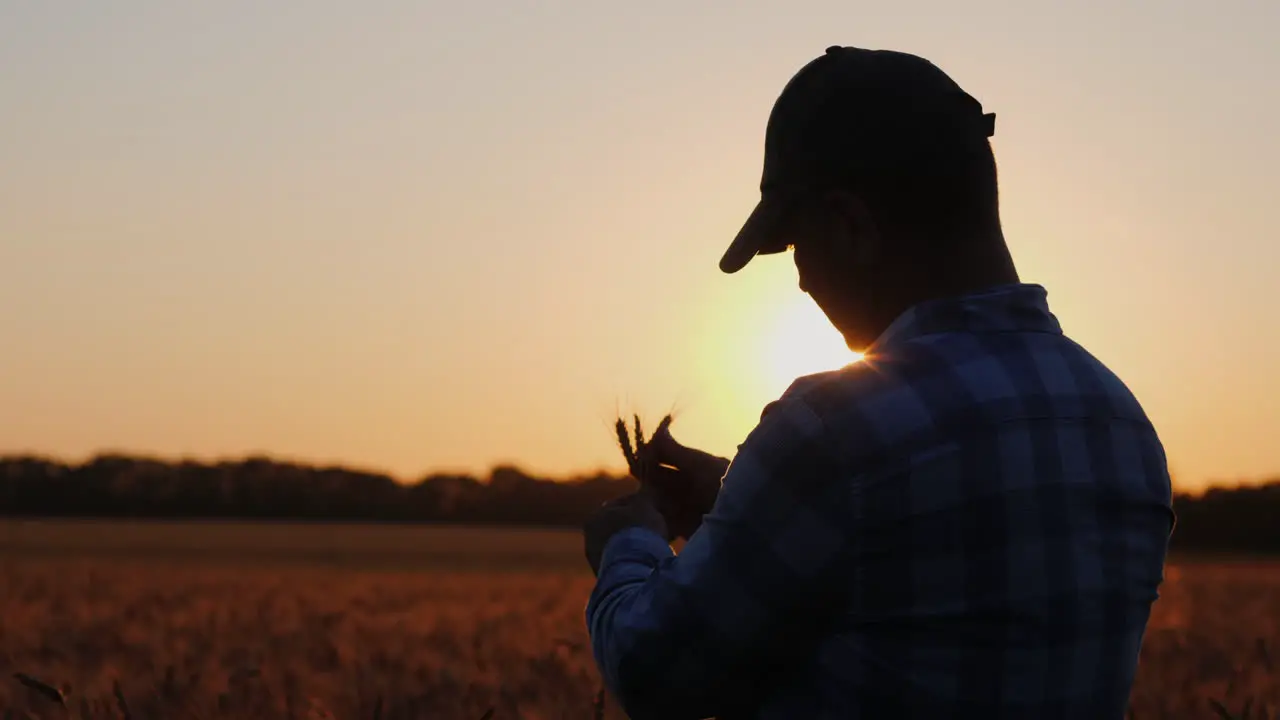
856, 344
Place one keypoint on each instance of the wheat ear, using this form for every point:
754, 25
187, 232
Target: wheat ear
624, 441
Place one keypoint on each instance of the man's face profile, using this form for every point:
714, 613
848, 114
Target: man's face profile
835, 251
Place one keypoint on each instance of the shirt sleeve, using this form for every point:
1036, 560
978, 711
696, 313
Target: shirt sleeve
686, 636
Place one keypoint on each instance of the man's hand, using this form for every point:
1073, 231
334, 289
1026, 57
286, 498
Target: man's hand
635, 510
685, 481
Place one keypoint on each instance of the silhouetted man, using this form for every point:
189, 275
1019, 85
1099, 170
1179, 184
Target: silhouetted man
971, 522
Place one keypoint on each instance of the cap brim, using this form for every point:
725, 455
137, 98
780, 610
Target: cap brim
761, 234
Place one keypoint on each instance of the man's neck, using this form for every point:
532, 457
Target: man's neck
983, 263
955, 276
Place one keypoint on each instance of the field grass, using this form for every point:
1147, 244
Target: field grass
315, 545
276, 621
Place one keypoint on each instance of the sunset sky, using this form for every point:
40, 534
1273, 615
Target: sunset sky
411, 236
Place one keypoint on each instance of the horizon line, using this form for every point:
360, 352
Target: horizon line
618, 471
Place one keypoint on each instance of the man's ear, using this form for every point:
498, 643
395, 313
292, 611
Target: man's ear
856, 226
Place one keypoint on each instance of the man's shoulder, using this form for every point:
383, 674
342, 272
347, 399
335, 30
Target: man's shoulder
863, 407
908, 369
952, 382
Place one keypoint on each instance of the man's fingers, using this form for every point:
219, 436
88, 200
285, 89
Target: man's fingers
662, 477
661, 449
649, 460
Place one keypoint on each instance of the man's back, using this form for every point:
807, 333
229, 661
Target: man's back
1008, 518
972, 522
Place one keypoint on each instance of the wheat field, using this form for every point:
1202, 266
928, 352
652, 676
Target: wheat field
147, 620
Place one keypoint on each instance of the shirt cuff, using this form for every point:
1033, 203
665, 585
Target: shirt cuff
635, 544
629, 558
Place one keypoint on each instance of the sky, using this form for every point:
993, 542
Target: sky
418, 236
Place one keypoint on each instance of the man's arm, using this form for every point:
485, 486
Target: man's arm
750, 593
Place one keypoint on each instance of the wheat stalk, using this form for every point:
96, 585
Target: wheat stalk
46, 690
624, 441
120, 701
633, 450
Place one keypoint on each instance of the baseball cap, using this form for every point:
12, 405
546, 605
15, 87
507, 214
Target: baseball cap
851, 113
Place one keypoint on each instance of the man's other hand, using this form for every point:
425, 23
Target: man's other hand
635, 510
685, 481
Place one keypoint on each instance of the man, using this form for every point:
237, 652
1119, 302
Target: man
971, 522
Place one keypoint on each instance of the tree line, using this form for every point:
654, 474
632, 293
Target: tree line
1222, 520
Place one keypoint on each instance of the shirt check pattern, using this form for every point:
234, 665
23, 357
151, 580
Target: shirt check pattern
972, 522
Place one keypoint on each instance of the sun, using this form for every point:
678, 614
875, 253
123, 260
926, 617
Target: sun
801, 341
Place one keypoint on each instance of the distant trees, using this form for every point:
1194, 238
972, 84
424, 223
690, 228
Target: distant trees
1229, 521
261, 488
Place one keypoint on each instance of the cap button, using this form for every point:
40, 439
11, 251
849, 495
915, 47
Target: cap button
834, 49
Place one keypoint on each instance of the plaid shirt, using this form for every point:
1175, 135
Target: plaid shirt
971, 522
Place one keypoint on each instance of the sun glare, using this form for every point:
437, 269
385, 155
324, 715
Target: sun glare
802, 342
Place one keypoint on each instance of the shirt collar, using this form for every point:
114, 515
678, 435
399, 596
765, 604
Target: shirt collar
1005, 308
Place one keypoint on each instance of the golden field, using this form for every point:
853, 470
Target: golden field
277, 621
